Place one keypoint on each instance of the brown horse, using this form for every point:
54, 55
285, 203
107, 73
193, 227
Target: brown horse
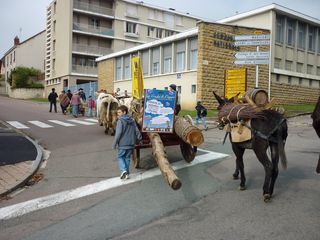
269, 130
316, 125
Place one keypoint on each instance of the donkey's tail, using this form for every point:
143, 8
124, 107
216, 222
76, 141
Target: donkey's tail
282, 136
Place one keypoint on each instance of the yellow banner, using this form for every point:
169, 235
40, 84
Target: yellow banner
137, 78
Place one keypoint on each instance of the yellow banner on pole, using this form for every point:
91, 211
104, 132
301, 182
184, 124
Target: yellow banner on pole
137, 78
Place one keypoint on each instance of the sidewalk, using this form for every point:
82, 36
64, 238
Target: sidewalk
20, 158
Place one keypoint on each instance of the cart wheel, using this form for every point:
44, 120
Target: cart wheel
136, 157
188, 152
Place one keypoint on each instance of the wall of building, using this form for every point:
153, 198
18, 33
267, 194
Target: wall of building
255, 21
26, 93
32, 52
213, 61
106, 75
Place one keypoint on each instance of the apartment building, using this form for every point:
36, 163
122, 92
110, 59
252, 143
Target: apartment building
79, 31
295, 41
29, 53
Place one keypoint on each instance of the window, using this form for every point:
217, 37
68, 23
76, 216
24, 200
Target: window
300, 81
82, 61
127, 67
132, 10
310, 83
155, 61
302, 35
53, 64
318, 71
54, 25
155, 14
95, 23
54, 7
288, 65
167, 58
54, 45
91, 62
178, 20
311, 39
291, 32
179, 89
193, 88
118, 68
131, 27
279, 29
159, 33
309, 69
151, 32
180, 56
14, 56
169, 20
277, 63
168, 33
193, 53
145, 62
289, 79
299, 67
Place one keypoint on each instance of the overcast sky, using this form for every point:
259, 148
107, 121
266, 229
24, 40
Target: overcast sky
25, 18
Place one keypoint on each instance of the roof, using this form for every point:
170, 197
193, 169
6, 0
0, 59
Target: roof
275, 7
189, 33
14, 46
171, 10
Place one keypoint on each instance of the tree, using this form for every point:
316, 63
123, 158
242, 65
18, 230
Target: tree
22, 77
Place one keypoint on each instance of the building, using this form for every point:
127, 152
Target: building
295, 48
196, 61
79, 31
26, 54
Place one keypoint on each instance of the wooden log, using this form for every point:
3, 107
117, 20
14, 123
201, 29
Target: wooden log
188, 132
163, 163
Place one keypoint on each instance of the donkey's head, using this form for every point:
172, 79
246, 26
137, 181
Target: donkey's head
221, 101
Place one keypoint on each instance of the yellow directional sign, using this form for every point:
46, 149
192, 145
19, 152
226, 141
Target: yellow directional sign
235, 82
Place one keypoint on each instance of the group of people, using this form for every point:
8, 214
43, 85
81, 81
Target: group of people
77, 102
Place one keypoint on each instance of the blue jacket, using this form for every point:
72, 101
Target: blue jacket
127, 133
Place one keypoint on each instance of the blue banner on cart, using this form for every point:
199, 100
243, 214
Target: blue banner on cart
159, 108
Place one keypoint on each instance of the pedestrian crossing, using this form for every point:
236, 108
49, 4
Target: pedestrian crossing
49, 124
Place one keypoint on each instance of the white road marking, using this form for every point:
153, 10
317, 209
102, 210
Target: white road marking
81, 122
40, 124
20, 209
91, 120
17, 125
62, 123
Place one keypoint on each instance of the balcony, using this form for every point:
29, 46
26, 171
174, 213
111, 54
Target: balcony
93, 8
84, 69
91, 50
93, 29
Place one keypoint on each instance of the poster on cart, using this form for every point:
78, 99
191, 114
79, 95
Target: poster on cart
158, 113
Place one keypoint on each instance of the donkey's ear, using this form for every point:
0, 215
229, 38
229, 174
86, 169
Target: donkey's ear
219, 99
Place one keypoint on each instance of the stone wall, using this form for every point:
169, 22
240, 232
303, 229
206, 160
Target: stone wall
214, 60
106, 75
26, 93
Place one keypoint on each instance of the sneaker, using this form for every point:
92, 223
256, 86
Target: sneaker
127, 176
123, 175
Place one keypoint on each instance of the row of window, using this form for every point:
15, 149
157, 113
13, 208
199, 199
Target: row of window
289, 65
300, 81
151, 59
297, 34
154, 14
179, 89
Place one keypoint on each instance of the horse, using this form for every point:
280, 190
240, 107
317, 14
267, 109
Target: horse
269, 130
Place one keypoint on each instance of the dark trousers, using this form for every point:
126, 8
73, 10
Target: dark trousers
63, 109
55, 106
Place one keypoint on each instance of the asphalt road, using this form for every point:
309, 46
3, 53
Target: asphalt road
208, 206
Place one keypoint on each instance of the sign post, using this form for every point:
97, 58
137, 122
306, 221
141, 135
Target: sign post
137, 78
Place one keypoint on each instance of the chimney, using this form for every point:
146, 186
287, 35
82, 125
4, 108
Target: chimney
16, 41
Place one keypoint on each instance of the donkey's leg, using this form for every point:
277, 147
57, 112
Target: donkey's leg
261, 152
238, 151
275, 160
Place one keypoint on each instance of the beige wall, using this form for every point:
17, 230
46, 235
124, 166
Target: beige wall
256, 21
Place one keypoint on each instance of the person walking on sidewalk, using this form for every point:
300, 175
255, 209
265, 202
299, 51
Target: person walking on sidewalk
64, 101
173, 87
201, 113
75, 102
127, 135
53, 99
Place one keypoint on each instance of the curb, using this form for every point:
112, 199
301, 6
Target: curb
35, 165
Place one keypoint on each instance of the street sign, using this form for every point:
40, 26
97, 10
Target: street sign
252, 62
252, 42
251, 37
235, 82
251, 55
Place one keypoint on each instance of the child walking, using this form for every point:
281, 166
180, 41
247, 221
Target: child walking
127, 135
90, 106
201, 113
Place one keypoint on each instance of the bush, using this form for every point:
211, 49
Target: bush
21, 78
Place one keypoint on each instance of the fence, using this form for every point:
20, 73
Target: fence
88, 88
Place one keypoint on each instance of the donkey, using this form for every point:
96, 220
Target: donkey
270, 130
316, 125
